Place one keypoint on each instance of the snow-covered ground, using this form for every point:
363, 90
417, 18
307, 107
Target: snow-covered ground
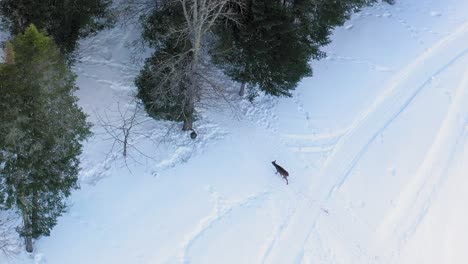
376, 144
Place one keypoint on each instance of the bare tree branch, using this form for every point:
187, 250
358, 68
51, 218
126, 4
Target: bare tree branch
9, 245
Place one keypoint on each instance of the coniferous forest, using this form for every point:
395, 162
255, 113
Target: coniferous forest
264, 46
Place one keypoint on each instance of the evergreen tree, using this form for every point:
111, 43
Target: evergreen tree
272, 46
41, 127
162, 85
266, 50
65, 20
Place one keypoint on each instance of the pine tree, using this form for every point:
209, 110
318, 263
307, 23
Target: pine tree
267, 50
41, 127
272, 46
162, 86
65, 20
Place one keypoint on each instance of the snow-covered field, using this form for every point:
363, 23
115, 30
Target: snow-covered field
376, 143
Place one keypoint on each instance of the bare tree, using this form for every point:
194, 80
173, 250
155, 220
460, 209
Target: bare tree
179, 71
129, 11
8, 236
122, 127
200, 17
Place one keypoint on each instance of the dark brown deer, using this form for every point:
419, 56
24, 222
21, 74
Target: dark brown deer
281, 171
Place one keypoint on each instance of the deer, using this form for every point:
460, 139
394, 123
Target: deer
281, 171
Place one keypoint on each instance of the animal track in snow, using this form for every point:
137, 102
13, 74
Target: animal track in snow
365, 129
313, 144
261, 111
331, 56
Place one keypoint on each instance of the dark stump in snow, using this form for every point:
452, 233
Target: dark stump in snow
193, 135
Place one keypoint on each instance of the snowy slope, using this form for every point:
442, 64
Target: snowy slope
376, 144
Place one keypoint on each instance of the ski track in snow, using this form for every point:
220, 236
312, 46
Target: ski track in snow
336, 142
339, 168
313, 143
268, 246
406, 103
394, 109
221, 209
341, 150
414, 201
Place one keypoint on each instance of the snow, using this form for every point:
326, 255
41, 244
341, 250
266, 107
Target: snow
376, 145
435, 13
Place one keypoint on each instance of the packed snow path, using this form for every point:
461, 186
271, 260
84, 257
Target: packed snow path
376, 144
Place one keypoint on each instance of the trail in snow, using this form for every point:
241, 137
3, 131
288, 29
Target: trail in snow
415, 199
441, 234
221, 208
253, 217
401, 92
387, 107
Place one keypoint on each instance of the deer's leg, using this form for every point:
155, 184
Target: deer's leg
286, 180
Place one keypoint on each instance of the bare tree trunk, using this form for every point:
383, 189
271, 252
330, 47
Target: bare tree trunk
25, 208
188, 123
28, 242
190, 107
126, 132
27, 231
200, 16
125, 149
198, 13
242, 90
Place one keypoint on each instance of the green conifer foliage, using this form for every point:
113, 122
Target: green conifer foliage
41, 129
162, 83
65, 20
272, 46
265, 51
160, 87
